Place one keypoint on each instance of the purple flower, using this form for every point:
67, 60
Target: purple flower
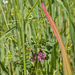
40, 56
33, 58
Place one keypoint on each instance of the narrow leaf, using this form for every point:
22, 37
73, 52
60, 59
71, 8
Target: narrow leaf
3, 68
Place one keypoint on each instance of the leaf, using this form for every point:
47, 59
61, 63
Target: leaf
49, 47
47, 57
7, 32
3, 68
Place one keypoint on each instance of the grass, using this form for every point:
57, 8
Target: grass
24, 30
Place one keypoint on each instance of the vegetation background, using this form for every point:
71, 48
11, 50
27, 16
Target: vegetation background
24, 29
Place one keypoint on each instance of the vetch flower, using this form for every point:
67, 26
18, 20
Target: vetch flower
33, 58
40, 56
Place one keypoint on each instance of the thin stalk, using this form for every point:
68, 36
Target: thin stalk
30, 10
23, 38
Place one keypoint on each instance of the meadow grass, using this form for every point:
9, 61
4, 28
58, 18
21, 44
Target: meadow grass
24, 30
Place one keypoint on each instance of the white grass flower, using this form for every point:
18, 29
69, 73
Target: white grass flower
5, 2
